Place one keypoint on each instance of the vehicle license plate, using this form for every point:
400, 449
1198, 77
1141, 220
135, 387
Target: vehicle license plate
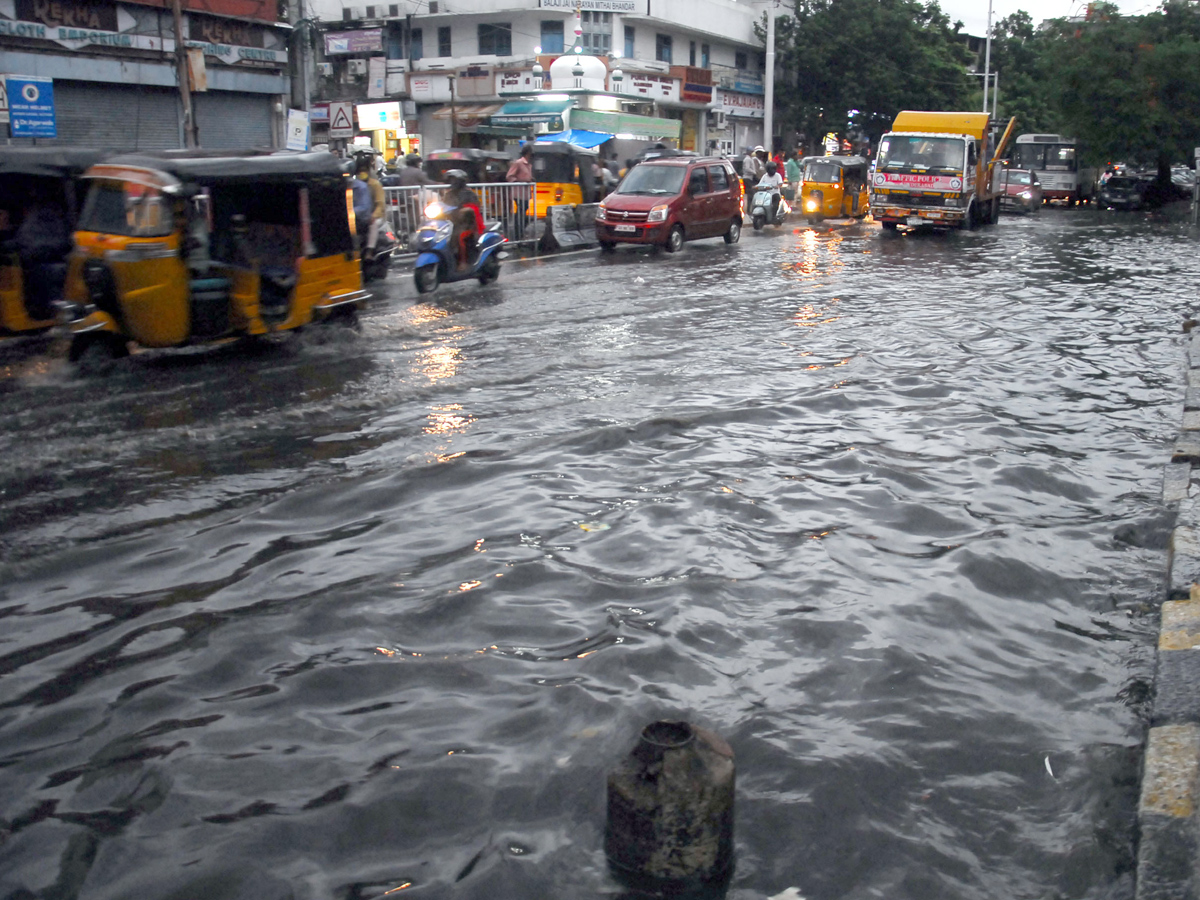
914, 220
625, 228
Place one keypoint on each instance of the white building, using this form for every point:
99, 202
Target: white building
685, 70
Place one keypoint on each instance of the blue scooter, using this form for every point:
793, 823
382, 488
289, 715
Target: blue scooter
437, 259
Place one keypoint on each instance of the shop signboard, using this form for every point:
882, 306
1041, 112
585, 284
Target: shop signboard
616, 6
4, 101
656, 87
379, 116
429, 88
31, 106
319, 112
367, 40
734, 103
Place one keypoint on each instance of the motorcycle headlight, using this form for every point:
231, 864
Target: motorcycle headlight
657, 214
433, 210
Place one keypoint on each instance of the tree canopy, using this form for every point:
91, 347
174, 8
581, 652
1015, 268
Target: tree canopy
1128, 87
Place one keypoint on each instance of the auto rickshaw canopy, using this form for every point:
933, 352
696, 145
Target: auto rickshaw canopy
208, 168
49, 162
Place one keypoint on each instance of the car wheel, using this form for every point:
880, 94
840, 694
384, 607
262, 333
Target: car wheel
734, 232
675, 239
490, 270
758, 223
426, 279
607, 247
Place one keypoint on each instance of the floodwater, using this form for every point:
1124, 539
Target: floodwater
374, 614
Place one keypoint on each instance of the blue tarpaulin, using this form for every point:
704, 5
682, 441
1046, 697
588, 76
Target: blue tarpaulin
577, 136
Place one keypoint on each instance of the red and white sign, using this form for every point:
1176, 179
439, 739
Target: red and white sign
660, 87
918, 182
735, 103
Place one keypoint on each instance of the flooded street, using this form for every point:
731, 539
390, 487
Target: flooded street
367, 614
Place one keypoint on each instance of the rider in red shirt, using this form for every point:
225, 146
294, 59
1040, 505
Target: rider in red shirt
467, 217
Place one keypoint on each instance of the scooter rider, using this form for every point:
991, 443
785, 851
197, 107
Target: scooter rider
368, 205
411, 175
467, 216
773, 182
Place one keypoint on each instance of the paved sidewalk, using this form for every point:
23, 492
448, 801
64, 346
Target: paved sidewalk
1168, 815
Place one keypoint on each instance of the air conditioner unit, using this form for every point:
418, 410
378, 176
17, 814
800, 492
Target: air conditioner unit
717, 119
374, 12
347, 14
356, 67
353, 13
433, 7
325, 69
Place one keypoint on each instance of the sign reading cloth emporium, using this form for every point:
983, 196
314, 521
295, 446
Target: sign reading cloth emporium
617, 6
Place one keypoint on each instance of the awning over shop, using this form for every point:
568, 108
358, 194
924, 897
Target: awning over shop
577, 136
530, 112
468, 115
626, 124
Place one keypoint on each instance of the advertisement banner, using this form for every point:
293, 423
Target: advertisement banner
376, 77
369, 40
319, 112
617, 6
733, 103
379, 117
657, 87
31, 106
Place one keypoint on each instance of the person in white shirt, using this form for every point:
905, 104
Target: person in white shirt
752, 168
772, 181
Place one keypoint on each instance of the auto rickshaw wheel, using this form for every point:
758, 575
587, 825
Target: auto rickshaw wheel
734, 232
345, 316
490, 270
675, 239
426, 278
95, 354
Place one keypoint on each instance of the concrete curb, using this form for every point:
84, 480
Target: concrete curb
1168, 862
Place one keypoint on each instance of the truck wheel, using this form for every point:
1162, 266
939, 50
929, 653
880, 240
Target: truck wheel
888, 224
969, 223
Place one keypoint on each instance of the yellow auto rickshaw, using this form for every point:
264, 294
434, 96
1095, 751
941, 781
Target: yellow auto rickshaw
564, 176
185, 247
40, 197
834, 186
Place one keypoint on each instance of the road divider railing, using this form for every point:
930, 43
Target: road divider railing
506, 203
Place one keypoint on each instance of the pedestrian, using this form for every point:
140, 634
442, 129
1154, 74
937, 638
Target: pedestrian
521, 172
752, 168
793, 173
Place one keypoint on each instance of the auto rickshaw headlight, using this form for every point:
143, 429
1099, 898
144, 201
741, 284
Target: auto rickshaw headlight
657, 214
811, 205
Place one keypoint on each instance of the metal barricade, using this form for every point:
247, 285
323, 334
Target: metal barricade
505, 203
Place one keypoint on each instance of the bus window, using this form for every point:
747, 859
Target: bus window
1030, 156
1060, 158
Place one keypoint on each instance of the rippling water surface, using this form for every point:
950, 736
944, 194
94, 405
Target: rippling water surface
369, 614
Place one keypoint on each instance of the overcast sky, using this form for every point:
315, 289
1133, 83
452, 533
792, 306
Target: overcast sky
973, 13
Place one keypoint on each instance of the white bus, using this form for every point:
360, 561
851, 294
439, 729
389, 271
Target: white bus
1054, 159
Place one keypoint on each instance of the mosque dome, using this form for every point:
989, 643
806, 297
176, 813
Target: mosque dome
563, 77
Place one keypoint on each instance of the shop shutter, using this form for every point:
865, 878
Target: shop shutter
233, 121
124, 117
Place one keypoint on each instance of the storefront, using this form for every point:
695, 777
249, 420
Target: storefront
115, 78
387, 128
743, 115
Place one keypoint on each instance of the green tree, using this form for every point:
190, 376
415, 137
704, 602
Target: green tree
875, 56
1128, 85
1020, 56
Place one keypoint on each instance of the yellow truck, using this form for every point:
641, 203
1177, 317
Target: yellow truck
939, 169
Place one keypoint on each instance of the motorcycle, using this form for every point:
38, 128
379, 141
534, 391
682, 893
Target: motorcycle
376, 268
760, 209
437, 259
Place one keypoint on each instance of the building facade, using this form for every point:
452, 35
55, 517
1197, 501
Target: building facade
114, 75
685, 71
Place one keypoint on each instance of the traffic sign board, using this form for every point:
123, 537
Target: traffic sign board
341, 119
297, 130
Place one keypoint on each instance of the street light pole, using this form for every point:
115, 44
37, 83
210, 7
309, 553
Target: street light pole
181, 71
987, 57
769, 81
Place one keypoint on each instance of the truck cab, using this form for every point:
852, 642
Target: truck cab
938, 169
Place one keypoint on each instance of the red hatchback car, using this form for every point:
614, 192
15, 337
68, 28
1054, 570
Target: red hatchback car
671, 200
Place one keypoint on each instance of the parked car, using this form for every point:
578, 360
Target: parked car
1123, 192
670, 200
1022, 190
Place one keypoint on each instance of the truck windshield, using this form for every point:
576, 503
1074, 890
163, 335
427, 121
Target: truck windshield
648, 179
821, 173
921, 153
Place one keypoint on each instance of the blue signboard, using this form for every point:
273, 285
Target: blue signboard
31, 106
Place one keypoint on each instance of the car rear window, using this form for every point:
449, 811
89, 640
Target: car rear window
720, 181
